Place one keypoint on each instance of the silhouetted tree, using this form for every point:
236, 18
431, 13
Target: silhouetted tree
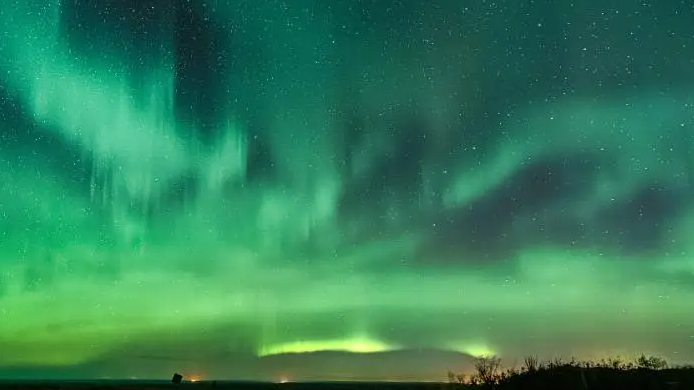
651, 363
456, 378
531, 363
608, 373
486, 371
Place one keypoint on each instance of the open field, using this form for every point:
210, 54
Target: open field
205, 385
564, 378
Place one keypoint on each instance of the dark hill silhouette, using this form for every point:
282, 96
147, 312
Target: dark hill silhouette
409, 365
422, 365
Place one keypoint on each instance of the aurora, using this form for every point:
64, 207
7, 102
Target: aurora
210, 185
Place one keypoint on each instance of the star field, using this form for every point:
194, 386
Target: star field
209, 184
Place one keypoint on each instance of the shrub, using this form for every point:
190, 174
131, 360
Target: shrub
650, 363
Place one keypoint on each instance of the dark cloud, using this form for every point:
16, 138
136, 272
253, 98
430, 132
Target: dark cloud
539, 206
515, 214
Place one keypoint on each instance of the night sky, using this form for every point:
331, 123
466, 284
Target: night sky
232, 188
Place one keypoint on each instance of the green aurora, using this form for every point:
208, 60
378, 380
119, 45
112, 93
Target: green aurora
196, 182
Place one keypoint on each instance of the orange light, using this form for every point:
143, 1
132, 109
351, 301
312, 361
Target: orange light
194, 379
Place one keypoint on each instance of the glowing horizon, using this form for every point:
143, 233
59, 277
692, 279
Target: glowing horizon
353, 345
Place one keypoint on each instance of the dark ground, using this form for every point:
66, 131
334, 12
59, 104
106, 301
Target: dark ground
208, 385
560, 378
600, 378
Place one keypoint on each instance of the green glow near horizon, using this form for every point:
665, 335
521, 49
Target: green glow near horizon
354, 345
127, 227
